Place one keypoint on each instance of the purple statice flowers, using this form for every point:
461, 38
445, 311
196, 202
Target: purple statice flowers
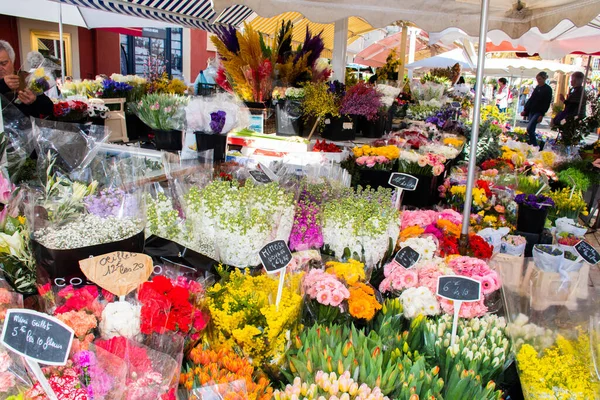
534, 201
217, 121
306, 231
362, 99
111, 203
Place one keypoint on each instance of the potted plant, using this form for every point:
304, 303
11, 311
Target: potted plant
364, 102
165, 115
532, 212
322, 102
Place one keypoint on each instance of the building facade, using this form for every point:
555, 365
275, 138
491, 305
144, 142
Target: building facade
182, 52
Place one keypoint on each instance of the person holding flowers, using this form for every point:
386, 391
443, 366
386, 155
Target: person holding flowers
24, 99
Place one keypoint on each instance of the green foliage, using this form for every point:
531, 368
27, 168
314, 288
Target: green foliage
573, 176
488, 147
584, 166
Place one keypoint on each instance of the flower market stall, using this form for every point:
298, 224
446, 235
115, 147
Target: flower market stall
406, 252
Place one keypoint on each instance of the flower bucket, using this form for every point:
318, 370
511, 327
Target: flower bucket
372, 129
531, 220
374, 178
211, 141
136, 128
62, 266
288, 118
426, 193
168, 140
339, 128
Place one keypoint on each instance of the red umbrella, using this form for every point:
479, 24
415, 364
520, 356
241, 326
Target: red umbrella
376, 54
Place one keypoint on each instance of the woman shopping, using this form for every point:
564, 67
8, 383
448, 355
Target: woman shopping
502, 95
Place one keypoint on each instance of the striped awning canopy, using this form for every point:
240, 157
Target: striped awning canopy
189, 13
270, 27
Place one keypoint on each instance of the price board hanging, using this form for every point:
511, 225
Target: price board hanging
39, 338
259, 176
587, 252
459, 289
402, 182
407, 257
275, 257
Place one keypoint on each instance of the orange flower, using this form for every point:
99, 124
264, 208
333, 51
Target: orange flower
411, 232
362, 303
449, 227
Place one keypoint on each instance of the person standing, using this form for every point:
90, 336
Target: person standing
573, 99
502, 95
31, 105
537, 106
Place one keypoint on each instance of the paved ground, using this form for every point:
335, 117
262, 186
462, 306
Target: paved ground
594, 240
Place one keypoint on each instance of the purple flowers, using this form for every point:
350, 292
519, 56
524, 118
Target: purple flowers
217, 121
111, 203
306, 231
97, 381
362, 99
534, 201
113, 89
440, 117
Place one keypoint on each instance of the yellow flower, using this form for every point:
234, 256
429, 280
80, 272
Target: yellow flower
351, 272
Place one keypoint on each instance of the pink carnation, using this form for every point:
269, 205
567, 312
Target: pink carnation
421, 218
467, 310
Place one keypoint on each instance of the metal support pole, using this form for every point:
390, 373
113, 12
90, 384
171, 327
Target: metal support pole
60, 44
587, 71
340, 44
483, 29
402, 67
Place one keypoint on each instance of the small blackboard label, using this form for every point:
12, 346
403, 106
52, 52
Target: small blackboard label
459, 288
407, 257
275, 256
455, 104
37, 336
587, 252
403, 181
260, 176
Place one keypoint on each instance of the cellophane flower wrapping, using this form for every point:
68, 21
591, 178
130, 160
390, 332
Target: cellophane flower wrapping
64, 381
235, 390
363, 226
163, 112
13, 374
239, 220
41, 79
103, 374
555, 337
201, 114
150, 373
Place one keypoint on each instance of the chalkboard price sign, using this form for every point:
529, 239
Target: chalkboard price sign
275, 256
459, 288
587, 252
37, 336
403, 181
259, 176
407, 257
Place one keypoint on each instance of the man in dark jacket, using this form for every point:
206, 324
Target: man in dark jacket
573, 99
537, 106
31, 105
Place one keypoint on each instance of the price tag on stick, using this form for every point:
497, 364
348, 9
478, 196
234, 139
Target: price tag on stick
459, 289
259, 176
407, 257
119, 272
402, 182
275, 257
587, 252
39, 338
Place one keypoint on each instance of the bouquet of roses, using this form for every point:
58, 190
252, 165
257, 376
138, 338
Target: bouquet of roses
70, 111
414, 163
339, 292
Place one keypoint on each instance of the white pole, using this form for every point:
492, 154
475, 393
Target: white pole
483, 25
62, 49
412, 45
518, 100
340, 44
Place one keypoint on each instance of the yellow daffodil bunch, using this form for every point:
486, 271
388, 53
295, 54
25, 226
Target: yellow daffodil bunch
561, 372
390, 152
245, 317
458, 193
569, 203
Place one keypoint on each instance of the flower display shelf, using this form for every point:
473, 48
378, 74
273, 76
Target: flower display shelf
115, 121
339, 128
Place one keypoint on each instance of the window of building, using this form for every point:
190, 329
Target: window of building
47, 43
156, 51
595, 63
